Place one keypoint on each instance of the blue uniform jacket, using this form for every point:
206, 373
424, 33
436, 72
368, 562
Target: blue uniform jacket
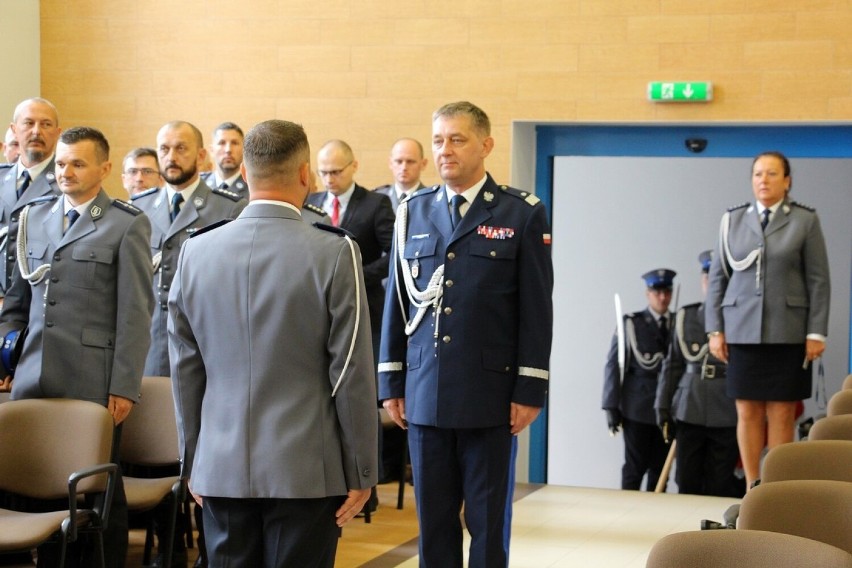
488, 342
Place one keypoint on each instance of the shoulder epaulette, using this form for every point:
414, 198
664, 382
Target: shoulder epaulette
740, 206
691, 306
144, 193
382, 187
428, 190
525, 195
6, 166
226, 193
315, 208
803, 206
335, 230
125, 206
209, 227
43, 199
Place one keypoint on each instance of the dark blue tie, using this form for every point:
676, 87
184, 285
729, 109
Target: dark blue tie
72, 216
177, 199
24, 184
455, 209
765, 220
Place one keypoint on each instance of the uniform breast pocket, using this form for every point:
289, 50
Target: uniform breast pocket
420, 257
35, 254
493, 258
91, 266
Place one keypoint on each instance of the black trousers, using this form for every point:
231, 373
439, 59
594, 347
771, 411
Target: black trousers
644, 453
706, 458
271, 533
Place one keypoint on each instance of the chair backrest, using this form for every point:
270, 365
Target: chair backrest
737, 548
840, 403
149, 435
814, 459
816, 509
43, 441
832, 428
847, 383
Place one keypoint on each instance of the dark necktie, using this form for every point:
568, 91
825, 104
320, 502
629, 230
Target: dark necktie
335, 212
72, 216
177, 199
664, 328
455, 209
765, 220
25, 183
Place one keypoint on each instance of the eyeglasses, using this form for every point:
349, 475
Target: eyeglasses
143, 171
333, 173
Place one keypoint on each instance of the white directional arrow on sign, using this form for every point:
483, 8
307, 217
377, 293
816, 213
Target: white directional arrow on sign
688, 92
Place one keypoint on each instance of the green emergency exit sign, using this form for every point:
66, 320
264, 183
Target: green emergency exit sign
680, 92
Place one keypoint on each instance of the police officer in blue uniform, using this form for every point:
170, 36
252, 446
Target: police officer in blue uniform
691, 395
629, 393
466, 339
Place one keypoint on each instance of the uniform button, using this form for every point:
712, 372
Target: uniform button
416, 254
92, 255
448, 310
10, 257
448, 283
446, 339
57, 257
167, 267
54, 279
169, 246
164, 307
52, 302
366, 472
507, 369
493, 253
13, 237
49, 324
165, 286
451, 255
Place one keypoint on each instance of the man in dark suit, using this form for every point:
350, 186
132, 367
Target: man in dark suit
406, 162
35, 124
466, 339
368, 216
279, 442
629, 392
227, 151
87, 332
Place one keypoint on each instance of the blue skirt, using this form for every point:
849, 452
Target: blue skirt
768, 371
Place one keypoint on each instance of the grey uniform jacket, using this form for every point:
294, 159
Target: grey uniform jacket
240, 187
784, 295
693, 391
89, 317
205, 207
10, 208
390, 191
263, 312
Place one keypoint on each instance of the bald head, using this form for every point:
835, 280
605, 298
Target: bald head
35, 125
406, 163
336, 166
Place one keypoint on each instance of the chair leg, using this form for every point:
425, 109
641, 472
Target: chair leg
168, 546
149, 540
187, 519
404, 462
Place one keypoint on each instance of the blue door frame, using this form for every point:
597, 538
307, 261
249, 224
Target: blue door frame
728, 141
